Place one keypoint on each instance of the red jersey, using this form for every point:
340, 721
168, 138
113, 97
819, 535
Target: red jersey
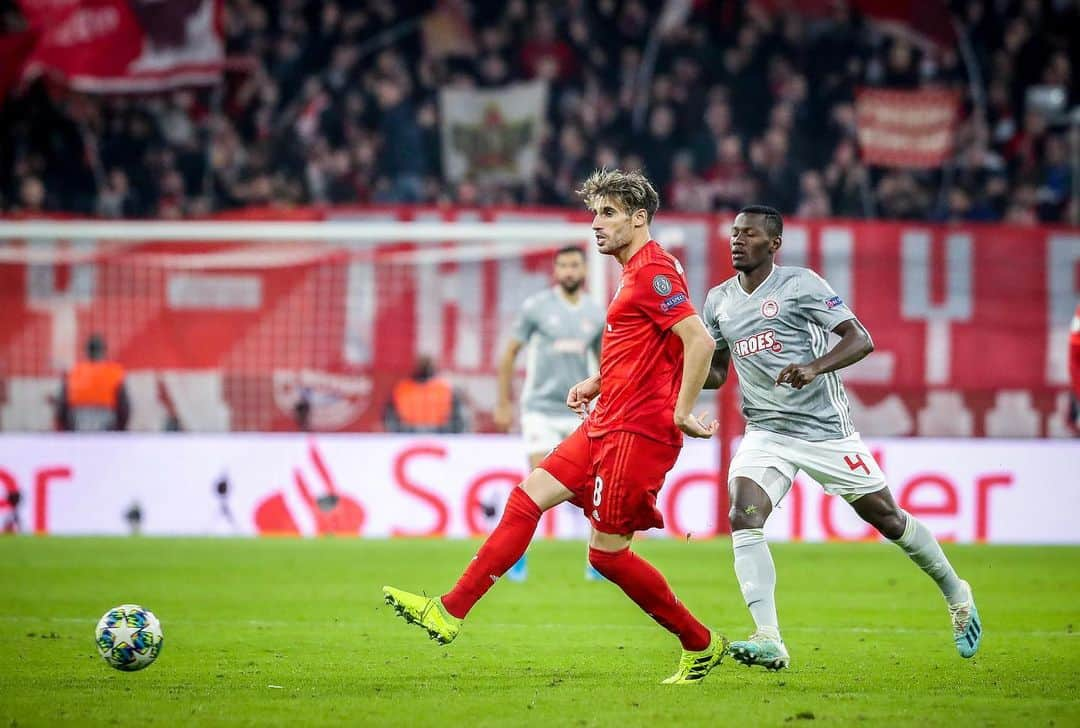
641, 360
1074, 354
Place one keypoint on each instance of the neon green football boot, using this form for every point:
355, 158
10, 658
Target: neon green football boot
427, 612
693, 666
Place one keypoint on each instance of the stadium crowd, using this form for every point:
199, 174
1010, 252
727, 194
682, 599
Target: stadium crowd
336, 102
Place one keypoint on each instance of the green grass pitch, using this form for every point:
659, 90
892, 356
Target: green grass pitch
265, 632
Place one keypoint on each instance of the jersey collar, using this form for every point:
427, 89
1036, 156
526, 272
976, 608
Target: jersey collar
738, 283
637, 255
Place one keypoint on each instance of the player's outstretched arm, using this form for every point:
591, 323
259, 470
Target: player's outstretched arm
854, 344
698, 348
504, 409
718, 369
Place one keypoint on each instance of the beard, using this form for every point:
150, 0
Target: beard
571, 287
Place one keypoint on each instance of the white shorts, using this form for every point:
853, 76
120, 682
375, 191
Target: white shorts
543, 432
843, 467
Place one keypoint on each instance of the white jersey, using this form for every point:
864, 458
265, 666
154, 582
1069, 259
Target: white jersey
786, 320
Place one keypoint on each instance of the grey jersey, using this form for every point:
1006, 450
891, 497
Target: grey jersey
558, 338
786, 320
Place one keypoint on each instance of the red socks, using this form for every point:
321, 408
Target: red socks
642, 583
498, 553
650, 591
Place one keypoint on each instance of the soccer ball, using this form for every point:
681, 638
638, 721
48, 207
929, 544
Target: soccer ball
129, 637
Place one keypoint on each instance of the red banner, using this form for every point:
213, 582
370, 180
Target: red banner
119, 46
906, 128
15, 49
923, 21
971, 323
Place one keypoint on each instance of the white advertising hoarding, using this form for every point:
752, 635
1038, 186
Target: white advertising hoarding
1001, 491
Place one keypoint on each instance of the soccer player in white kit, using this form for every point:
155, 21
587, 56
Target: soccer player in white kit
560, 329
773, 322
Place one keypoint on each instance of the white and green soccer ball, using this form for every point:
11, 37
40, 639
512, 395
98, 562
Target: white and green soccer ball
129, 637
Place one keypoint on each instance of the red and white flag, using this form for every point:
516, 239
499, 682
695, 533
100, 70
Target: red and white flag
122, 46
492, 134
906, 128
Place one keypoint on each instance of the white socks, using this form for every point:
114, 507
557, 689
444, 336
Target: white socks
918, 543
757, 577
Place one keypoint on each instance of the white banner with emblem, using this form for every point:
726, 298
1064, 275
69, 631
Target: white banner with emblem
492, 134
1000, 491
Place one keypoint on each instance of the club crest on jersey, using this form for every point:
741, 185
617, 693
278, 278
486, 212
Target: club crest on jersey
661, 285
834, 302
757, 343
770, 308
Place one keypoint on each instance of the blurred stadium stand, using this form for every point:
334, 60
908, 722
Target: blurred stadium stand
721, 102
876, 126
925, 155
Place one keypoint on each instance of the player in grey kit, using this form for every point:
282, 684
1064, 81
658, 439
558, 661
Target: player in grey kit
560, 329
774, 322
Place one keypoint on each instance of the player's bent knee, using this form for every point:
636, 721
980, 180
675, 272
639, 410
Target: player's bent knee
741, 519
751, 502
607, 562
608, 542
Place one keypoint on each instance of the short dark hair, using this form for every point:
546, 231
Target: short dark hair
567, 250
774, 222
95, 347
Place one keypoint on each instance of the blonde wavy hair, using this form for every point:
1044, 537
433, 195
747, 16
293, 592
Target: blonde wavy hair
632, 191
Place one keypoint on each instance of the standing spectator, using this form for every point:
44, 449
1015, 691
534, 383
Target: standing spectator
92, 395
424, 402
707, 144
847, 180
687, 191
545, 55
658, 146
1055, 179
776, 172
813, 199
730, 185
402, 160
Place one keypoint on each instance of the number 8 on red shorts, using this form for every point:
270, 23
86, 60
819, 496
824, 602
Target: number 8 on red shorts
615, 477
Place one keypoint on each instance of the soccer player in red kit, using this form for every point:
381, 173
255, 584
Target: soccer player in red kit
1074, 371
654, 358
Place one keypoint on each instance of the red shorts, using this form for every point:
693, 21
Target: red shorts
614, 477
